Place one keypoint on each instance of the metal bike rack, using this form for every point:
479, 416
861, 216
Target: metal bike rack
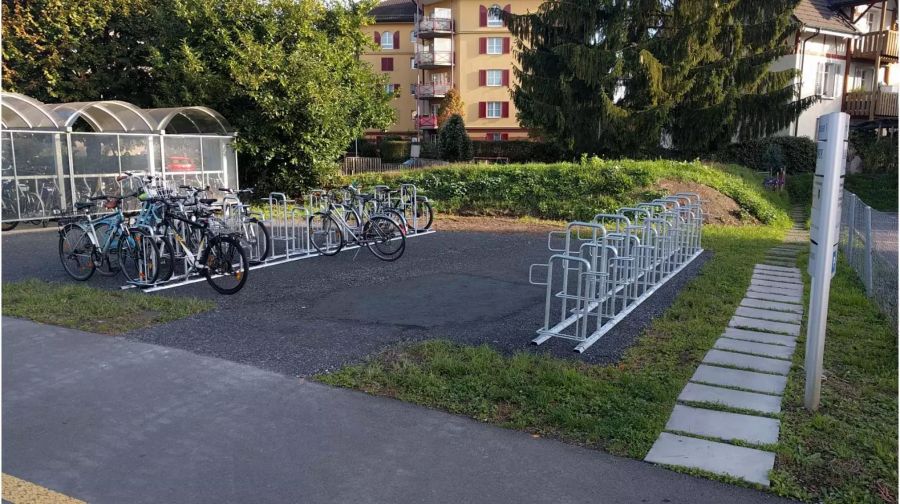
611, 265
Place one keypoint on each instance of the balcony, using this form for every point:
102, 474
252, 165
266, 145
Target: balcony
860, 103
434, 59
430, 27
870, 45
436, 90
427, 122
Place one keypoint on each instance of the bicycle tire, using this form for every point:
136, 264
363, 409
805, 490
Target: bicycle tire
325, 234
167, 259
219, 258
139, 257
379, 233
111, 258
68, 248
9, 226
259, 245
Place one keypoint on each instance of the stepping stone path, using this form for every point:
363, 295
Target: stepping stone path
745, 372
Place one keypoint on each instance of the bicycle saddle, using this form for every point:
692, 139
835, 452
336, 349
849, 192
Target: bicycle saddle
81, 205
208, 201
366, 197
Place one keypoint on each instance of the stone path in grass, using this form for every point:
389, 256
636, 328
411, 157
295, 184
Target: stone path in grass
726, 418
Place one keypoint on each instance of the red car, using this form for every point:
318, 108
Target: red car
180, 164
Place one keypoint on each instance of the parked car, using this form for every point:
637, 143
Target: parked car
180, 164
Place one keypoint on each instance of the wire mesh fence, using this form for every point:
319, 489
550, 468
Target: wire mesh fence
869, 243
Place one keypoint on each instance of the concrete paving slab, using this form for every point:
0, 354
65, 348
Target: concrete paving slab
791, 288
723, 425
765, 325
796, 297
756, 348
792, 253
760, 313
747, 380
750, 362
772, 305
748, 464
778, 268
778, 263
773, 297
779, 274
760, 337
764, 403
775, 278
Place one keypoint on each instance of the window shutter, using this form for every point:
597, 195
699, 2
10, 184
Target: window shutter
396, 89
387, 64
507, 9
397, 39
482, 77
504, 136
489, 136
820, 77
482, 16
505, 78
482, 45
377, 37
504, 109
505, 45
482, 109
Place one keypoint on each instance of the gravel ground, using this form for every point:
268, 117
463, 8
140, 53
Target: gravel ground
316, 315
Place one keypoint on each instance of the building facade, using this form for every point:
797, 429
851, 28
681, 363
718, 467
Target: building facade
428, 47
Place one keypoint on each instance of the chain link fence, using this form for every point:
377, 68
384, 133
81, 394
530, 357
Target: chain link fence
869, 243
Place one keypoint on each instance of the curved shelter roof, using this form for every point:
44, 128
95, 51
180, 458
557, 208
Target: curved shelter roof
20, 111
103, 116
190, 120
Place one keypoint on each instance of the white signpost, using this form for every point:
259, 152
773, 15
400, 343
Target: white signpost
824, 234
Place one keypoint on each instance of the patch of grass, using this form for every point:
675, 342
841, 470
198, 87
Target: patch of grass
620, 408
578, 190
847, 450
878, 190
96, 310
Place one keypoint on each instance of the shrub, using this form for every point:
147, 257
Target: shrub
394, 151
366, 148
519, 151
798, 153
430, 150
878, 153
455, 144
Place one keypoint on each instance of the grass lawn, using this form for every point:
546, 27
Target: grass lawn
619, 408
847, 451
879, 191
96, 310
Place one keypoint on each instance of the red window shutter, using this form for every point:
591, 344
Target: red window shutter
482, 45
507, 9
397, 40
482, 16
489, 136
482, 77
504, 136
377, 37
482, 109
504, 109
387, 64
396, 88
505, 45
506, 77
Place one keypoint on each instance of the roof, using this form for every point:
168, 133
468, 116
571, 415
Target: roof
820, 14
397, 11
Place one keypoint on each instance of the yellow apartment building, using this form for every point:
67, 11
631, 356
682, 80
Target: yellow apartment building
427, 47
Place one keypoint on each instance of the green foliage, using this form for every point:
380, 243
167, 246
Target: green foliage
394, 151
773, 158
519, 151
455, 144
366, 148
568, 191
451, 105
96, 310
798, 153
612, 78
878, 153
620, 408
878, 190
430, 150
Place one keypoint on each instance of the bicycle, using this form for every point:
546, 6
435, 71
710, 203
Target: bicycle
416, 210
381, 235
256, 235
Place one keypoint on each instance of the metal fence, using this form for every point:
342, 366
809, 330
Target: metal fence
869, 243
352, 165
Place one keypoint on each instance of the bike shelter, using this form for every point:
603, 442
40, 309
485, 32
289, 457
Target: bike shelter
603, 269
54, 155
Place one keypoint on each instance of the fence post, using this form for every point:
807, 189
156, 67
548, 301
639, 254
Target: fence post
868, 257
851, 227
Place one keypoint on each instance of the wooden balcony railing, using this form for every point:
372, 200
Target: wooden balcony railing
870, 45
860, 103
436, 90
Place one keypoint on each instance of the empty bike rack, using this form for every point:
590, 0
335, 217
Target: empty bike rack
609, 266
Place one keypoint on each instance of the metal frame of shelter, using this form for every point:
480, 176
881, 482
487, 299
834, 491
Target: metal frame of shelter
53, 155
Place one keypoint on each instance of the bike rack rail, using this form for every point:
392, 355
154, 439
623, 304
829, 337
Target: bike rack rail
609, 266
288, 225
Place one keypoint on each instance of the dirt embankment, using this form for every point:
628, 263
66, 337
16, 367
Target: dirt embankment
719, 209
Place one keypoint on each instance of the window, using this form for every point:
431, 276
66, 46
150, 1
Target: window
392, 89
493, 17
387, 40
494, 78
495, 137
494, 109
870, 21
412, 63
387, 64
863, 78
827, 79
495, 45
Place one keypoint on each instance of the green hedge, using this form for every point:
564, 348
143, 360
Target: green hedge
878, 153
798, 153
394, 151
519, 151
577, 190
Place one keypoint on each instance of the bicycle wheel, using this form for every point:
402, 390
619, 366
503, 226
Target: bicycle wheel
139, 257
418, 216
109, 262
398, 217
35, 207
384, 238
9, 226
167, 259
351, 217
325, 234
226, 264
256, 238
76, 252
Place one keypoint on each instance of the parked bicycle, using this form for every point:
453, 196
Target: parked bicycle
255, 234
329, 231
